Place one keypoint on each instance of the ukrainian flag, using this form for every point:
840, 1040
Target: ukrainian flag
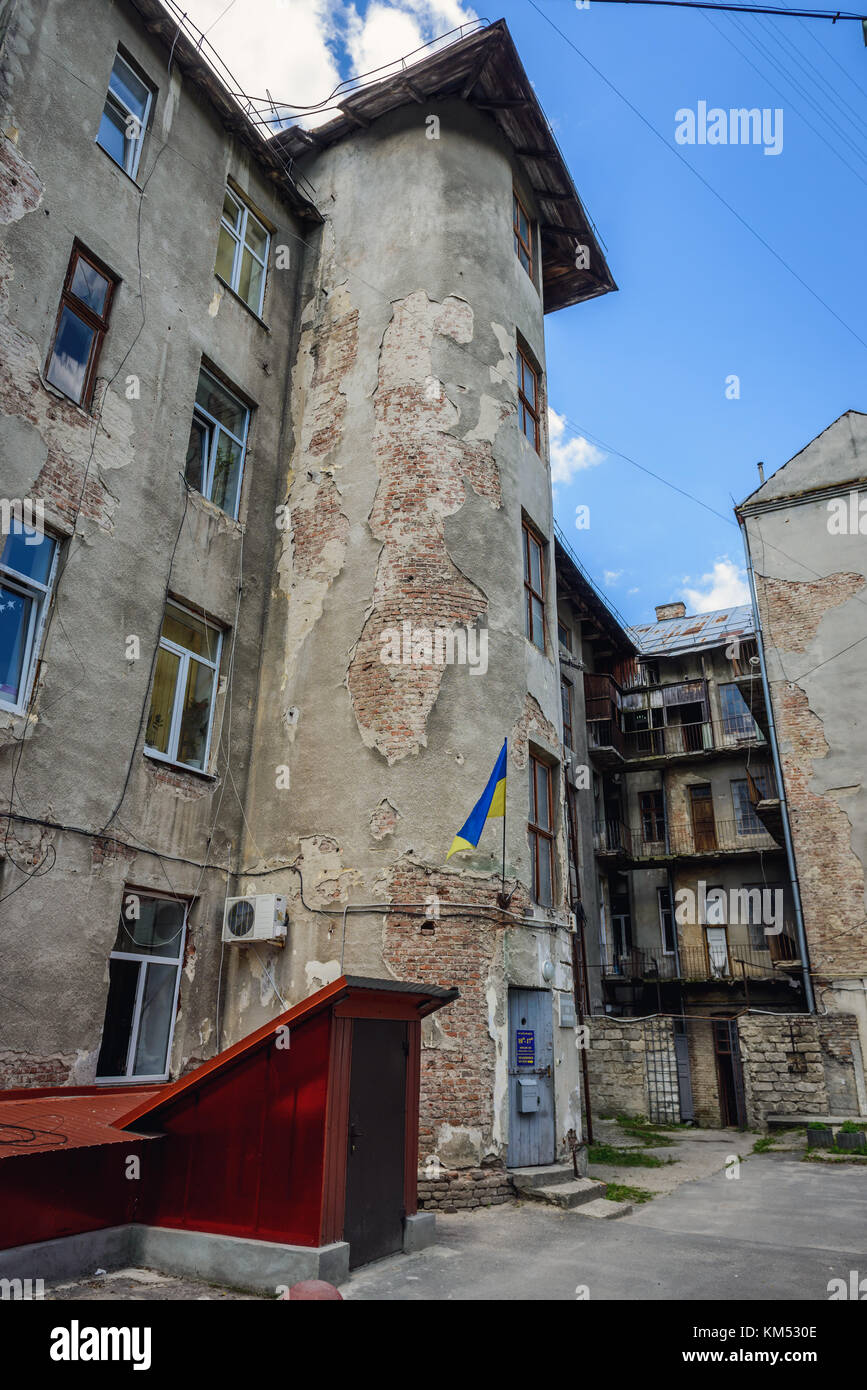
491, 804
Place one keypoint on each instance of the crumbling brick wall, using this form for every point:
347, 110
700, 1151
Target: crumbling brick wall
464, 1189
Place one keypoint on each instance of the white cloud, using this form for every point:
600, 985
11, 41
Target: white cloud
291, 47
569, 456
724, 587
610, 577
281, 45
633, 591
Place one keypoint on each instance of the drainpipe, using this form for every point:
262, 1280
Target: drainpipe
669, 874
784, 807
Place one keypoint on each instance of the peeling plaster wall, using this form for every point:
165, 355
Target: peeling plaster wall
84, 730
405, 491
812, 595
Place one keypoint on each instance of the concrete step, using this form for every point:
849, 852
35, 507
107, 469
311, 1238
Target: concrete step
603, 1209
567, 1194
544, 1176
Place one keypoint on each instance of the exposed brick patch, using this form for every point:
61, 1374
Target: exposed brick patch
457, 1077
795, 609
21, 188
333, 351
462, 1189
319, 533
422, 469
532, 727
106, 851
830, 873
383, 821
24, 1069
191, 787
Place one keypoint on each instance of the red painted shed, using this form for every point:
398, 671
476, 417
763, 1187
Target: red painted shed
304, 1134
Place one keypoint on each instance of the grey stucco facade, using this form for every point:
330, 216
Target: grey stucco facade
386, 482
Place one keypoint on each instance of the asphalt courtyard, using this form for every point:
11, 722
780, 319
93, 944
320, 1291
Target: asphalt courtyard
781, 1230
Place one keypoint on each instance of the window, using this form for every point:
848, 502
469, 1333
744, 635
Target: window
666, 921
28, 560
242, 251
650, 672
218, 443
82, 323
746, 819
143, 973
566, 703
185, 681
540, 832
528, 400
534, 586
125, 116
564, 636
737, 719
523, 230
652, 808
755, 901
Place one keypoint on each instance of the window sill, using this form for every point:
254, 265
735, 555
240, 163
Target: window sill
238, 300
184, 768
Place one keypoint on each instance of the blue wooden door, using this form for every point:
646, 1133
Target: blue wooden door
531, 1078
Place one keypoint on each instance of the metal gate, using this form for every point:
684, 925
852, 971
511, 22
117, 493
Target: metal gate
661, 1071
730, 1072
531, 1079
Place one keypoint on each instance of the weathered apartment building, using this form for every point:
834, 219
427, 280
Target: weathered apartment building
277, 398
725, 973
805, 538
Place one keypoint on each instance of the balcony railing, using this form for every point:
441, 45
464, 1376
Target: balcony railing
733, 961
647, 841
674, 740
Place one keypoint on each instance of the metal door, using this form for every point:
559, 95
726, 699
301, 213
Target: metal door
729, 1070
373, 1223
684, 1075
531, 1078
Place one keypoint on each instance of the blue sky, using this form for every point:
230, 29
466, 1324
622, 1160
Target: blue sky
643, 371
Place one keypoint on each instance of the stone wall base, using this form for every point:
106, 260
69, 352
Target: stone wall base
462, 1189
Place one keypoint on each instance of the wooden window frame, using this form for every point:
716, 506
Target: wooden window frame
530, 533
537, 834
654, 814
82, 311
533, 411
520, 244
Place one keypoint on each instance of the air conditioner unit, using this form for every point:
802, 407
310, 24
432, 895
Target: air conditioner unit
259, 918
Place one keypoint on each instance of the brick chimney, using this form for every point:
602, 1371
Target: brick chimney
670, 610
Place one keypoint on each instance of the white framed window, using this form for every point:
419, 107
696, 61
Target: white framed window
125, 116
218, 444
242, 251
185, 687
28, 563
144, 972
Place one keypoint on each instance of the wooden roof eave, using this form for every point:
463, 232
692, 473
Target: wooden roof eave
485, 70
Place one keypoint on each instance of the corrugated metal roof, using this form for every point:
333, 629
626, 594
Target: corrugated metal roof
674, 635
39, 1121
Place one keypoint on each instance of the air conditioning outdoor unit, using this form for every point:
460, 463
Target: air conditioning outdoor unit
259, 918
